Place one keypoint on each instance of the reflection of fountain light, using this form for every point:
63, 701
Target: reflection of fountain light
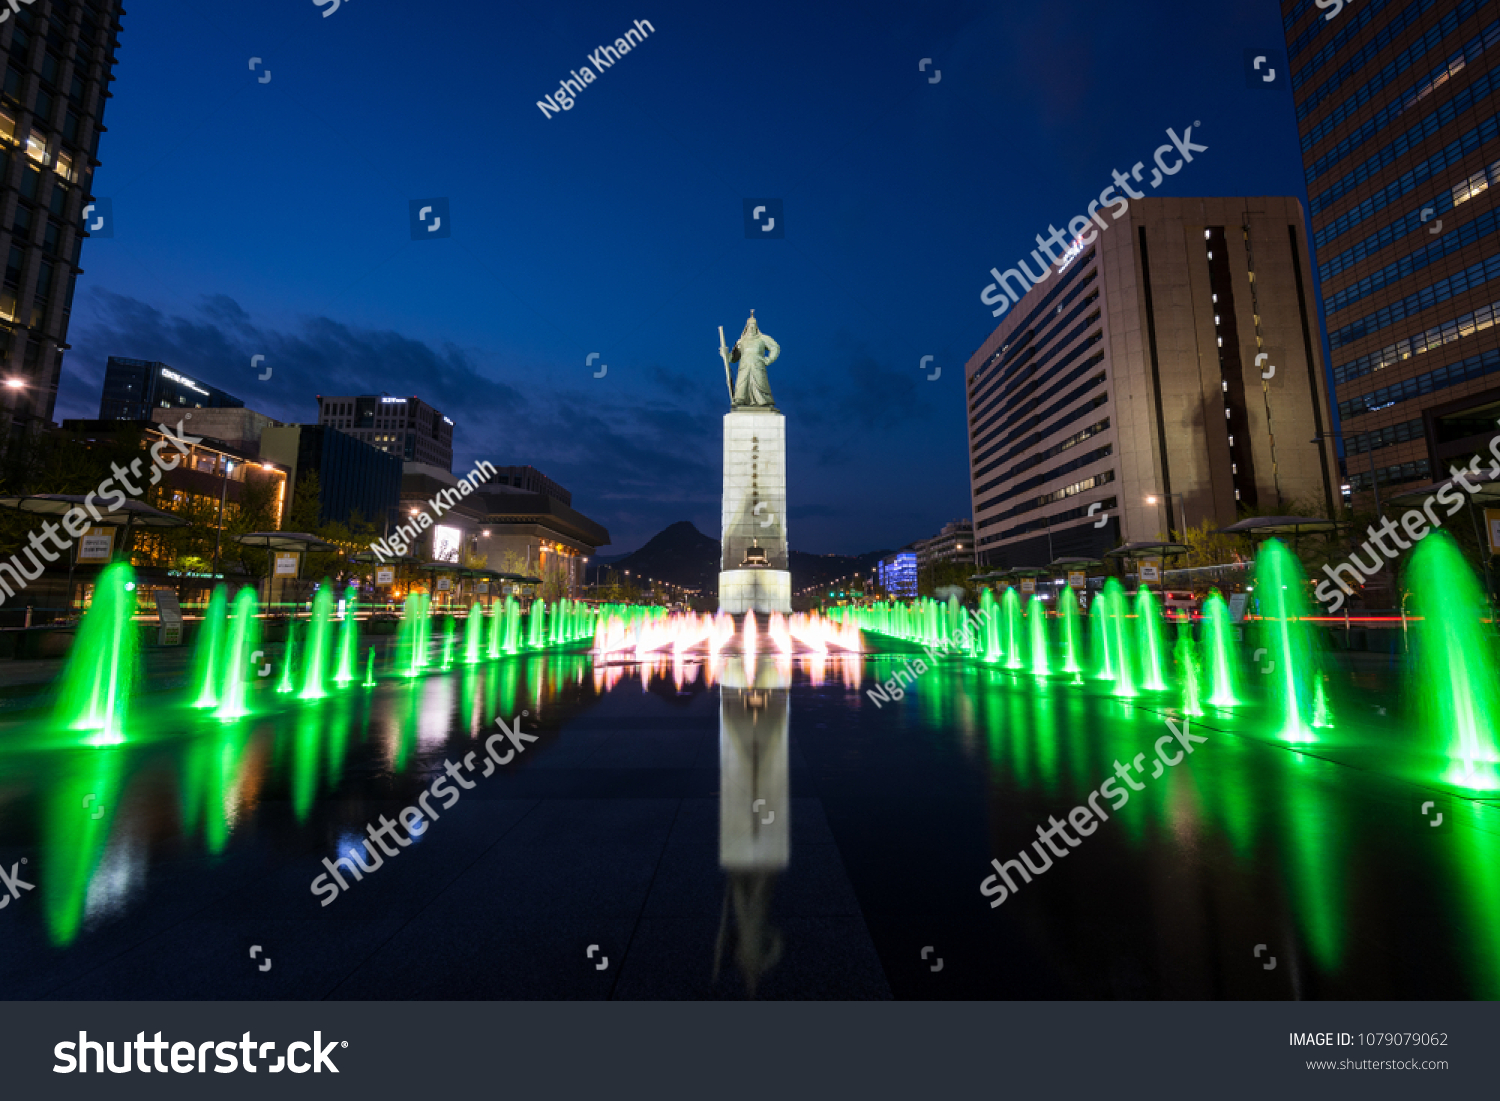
120, 874
436, 714
817, 669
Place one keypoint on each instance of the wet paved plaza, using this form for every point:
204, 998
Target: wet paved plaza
777, 837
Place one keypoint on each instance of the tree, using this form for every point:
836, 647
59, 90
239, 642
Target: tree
307, 504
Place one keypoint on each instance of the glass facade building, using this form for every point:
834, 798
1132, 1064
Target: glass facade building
897, 575
352, 475
1400, 131
135, 389
58, 56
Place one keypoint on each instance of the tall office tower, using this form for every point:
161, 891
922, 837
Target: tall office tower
1164, 371
135, 389
408, 428
1396, 109
59, 54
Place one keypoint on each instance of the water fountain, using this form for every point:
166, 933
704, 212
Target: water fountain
1458, 677
1067, 606
1281, 596
472, 627
1148, 630
206, 665
1100, 643
289, 660
243, 641
102, 666
1189, 672
449, 630
1036, 614
1218, 641
348, 640
1118, 637
315, 652
1010, 613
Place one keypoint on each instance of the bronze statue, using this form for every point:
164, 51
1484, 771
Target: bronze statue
754, 352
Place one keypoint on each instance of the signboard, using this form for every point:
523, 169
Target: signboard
1028, 585
1492, 523
97, 545
445, 584
1150, 573
286, 563
385, 575
484, 588
169, 615
445, 543
1237, 603
1077, 579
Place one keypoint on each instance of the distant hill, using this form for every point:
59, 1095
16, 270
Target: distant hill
683, 555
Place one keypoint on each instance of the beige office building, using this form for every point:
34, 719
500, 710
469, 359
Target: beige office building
1167, 365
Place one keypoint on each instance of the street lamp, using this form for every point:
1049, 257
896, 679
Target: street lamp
1153, 498
223, 489
1374, 481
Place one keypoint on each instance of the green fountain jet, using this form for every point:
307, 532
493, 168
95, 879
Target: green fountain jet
1458, 677
102, 666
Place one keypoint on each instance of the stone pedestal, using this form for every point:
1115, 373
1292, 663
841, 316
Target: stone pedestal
754, 514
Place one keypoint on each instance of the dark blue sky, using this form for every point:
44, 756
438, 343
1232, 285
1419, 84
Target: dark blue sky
273, 219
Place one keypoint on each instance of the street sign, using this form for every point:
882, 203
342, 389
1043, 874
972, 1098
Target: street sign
169, 616
286, 563
1028, 585
1492, 523
1237, 603
445, 584
1077, 579
1150, 573
385, 575
97, 545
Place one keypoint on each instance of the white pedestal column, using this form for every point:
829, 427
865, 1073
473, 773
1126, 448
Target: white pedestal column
754, 513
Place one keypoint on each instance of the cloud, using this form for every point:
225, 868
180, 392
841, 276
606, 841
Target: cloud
634, 463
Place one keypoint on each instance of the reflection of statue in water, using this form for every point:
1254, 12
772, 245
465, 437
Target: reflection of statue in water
757, 945
754, 352
754, 812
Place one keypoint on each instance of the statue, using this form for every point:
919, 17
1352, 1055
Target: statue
754, 352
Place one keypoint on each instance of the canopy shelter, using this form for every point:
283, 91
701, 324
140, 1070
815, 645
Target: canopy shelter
127, 514
1077, 563
1132, 551
1135, 552
1279, 525
285, 541
300, 542
370, 558
1017, 573
1486, 493
1266, 526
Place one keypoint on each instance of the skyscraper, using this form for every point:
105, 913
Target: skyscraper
1396, 109
1162, 373
59, 54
